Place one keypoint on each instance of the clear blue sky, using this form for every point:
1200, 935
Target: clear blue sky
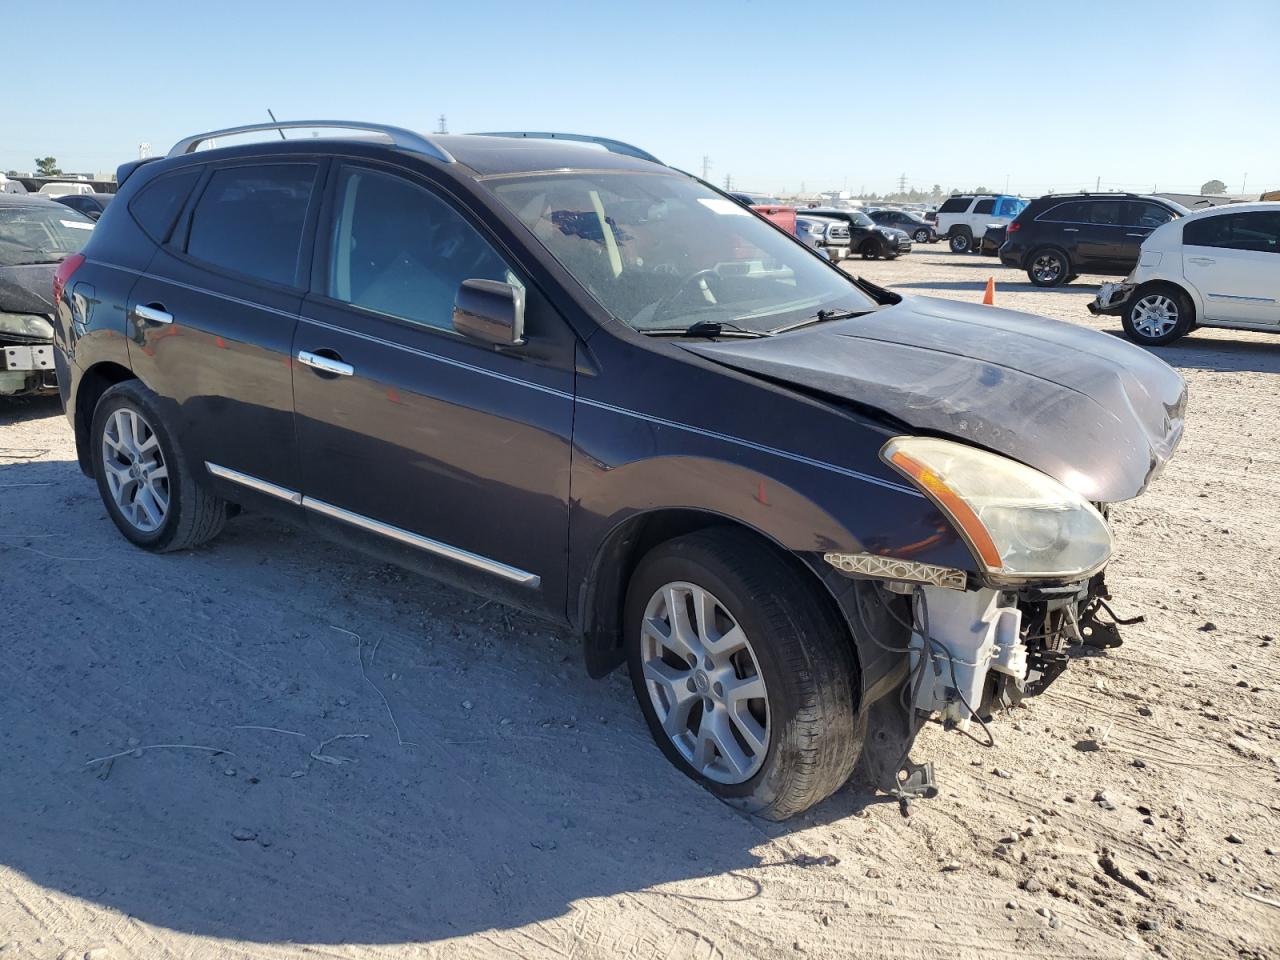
777, 94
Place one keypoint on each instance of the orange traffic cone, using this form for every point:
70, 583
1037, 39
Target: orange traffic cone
989, 298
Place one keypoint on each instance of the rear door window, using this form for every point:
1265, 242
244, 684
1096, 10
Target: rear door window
157, 204
985, 205
1259, 232
1104, 212
250, 219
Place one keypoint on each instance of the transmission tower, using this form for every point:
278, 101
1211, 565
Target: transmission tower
902, 183
444, 127
706, 166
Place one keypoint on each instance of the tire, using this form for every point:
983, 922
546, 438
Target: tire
921, 236
869, 250
794, 642
1048, 267
961, 240
1158, 313
148, 492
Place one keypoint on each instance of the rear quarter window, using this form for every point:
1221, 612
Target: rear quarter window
158, 203
955, 205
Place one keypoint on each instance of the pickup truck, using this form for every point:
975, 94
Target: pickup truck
771, 208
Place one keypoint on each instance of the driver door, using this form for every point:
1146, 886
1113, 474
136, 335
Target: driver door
441, 452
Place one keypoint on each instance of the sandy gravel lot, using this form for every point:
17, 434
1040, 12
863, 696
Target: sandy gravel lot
521, 811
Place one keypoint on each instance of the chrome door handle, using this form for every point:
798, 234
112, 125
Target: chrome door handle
325, 364
1135, 234
1203, 261
151, 314
1070, 230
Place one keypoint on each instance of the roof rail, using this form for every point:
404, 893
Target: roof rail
397, 135
613, 146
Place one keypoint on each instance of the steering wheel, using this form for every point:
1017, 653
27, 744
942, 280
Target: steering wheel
700, 278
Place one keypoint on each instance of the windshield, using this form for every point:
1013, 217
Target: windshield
662, 252
860, 219
40, 233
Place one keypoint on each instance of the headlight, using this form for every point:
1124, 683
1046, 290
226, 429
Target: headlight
27, 325
1019, 523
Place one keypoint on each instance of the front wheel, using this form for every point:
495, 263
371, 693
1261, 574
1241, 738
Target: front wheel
144, 483
921, 236
869, 250
743, 671
1158, 315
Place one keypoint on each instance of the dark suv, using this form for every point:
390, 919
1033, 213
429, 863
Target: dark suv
598, 389
1060, 236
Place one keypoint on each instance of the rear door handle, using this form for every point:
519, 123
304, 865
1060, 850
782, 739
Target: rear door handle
1203, 261
152, 313
325, 364
1070, 230
1135, 234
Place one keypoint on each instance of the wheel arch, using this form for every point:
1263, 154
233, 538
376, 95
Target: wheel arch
603, 591
91, 385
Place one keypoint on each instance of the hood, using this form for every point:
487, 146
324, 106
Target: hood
27, 289
893, 232
1098, 414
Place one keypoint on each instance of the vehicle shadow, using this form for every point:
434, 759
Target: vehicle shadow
308, 746
20, 409
1225, 351
979, 285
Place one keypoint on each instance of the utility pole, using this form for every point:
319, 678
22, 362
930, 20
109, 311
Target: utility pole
706, 166
1243, 182
444, 127
728, 182
1006, 183
1097, 184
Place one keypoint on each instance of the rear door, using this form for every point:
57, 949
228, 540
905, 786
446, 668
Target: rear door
438, 451
982, 213
1233, 260
211, 322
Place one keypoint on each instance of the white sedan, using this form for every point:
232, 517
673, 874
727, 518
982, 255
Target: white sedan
1214, 268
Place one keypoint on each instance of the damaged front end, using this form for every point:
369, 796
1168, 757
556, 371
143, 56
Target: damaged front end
26, 354
976, 642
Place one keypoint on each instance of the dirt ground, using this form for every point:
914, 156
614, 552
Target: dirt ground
513, 808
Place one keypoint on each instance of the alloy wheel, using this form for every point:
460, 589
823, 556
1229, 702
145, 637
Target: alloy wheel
922, 236
1155, 315
1047, 268
136, 473
704, 682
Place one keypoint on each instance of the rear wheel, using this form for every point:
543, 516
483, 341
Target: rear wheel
152, 498
744, 673
1157, 315
921, 236
1048, 267
961, 240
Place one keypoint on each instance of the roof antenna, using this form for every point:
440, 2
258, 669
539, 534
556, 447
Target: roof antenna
274, 120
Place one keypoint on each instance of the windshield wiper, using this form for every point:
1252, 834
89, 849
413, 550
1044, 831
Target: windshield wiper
709, 328
822, 316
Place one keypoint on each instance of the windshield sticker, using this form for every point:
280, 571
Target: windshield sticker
76, 225
726, 208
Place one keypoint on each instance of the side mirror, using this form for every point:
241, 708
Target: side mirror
490, 311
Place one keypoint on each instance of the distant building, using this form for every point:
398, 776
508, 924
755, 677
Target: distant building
1196, 201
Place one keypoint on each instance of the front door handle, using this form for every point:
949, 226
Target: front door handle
325, 364
152, 313
1070, 230
1135, 234
1202, 261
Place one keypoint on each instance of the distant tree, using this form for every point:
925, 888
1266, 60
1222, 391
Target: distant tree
1213, 187
47, 167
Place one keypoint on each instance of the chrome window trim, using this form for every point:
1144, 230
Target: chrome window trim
254, 483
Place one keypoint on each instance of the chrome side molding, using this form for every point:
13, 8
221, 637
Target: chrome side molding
254, 483
465, 557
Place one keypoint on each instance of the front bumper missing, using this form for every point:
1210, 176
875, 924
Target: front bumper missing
26, 358
1111, 299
